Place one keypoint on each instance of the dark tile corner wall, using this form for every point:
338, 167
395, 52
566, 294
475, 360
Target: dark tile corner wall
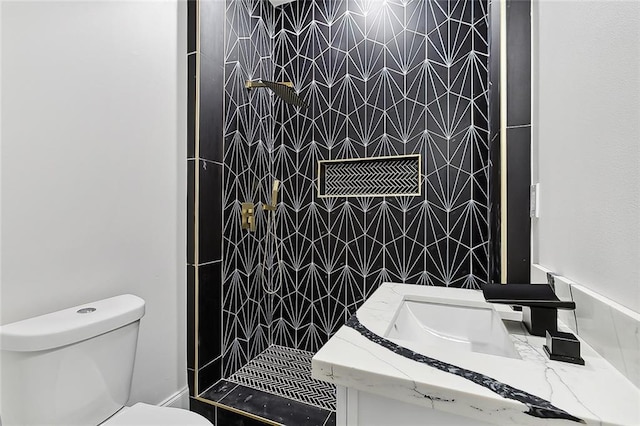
204, 193
518, 137
494, 142
518, 128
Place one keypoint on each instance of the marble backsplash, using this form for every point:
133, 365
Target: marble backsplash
608, 327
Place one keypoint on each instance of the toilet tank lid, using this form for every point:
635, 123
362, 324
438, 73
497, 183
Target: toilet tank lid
71, 325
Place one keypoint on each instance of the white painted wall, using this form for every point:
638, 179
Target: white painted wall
93, 168
586, 143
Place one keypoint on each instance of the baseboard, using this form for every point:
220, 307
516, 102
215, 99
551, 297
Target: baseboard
179, 399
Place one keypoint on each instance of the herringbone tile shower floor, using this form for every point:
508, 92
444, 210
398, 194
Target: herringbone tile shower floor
286, 372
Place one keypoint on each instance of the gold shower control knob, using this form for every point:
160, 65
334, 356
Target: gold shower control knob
247, 217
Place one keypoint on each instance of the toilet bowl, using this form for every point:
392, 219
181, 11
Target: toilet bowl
144, 414
74, 367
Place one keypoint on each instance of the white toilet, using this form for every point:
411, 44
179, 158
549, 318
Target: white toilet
74, 367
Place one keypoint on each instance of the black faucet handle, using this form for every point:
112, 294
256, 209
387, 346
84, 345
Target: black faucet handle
532, 295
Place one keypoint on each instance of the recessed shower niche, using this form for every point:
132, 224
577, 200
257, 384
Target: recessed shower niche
391, 176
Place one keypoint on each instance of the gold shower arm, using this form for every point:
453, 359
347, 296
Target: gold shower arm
253, 84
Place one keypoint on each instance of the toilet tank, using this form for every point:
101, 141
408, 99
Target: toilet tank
70, 367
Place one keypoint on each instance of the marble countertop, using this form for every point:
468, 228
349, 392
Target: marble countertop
496, 389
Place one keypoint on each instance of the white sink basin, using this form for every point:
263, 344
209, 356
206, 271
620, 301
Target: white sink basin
455, 325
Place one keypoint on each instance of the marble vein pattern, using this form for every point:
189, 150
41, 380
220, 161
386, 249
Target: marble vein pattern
538, 407
596, 394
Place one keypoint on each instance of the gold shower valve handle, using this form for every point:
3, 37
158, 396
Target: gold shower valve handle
247, 215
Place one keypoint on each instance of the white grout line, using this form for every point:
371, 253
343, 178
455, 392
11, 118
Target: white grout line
211, 262
219, 163
518, 126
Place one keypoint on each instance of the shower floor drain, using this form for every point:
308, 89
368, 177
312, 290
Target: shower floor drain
286, 372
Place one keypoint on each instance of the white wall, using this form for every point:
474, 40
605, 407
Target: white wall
586, 143
93, 168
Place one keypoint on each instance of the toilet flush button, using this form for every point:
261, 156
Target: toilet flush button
85, 310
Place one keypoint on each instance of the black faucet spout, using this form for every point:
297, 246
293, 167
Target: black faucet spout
539, 304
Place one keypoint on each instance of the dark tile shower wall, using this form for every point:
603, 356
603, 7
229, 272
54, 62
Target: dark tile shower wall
494, 142
517, 131
204, 194
382, 78
249, 156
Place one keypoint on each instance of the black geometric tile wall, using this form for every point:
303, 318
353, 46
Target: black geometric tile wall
392, 77
248, 169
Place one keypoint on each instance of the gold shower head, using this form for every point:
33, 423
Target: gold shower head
254, 84
284, 90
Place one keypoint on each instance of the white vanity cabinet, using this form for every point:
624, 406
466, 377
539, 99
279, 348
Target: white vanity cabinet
359, 408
